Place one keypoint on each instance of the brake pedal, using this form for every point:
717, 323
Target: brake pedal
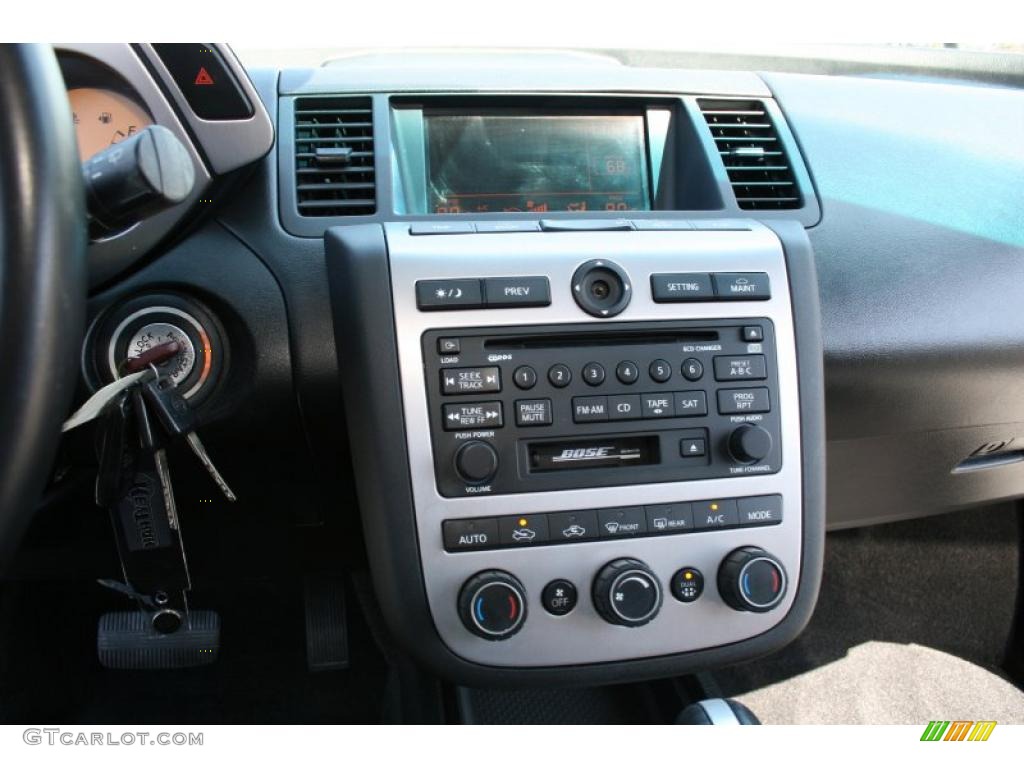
326, 628
128, 640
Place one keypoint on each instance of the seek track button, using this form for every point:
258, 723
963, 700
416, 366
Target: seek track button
468, 381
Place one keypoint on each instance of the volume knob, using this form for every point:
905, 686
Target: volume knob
476, 462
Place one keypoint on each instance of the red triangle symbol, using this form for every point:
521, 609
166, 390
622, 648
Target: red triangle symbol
203, 78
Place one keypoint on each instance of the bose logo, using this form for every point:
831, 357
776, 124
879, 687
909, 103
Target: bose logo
586, 453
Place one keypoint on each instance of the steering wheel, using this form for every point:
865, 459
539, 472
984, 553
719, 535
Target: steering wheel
43, 280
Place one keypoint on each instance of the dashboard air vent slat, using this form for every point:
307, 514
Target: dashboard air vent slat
334, 157
749, 145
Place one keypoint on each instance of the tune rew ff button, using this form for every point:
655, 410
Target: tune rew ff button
750, 579
626, 592
492, 605
601, 288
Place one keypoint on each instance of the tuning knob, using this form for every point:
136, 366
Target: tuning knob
749, 443
476, 462
627, 593
492, 605
750, 579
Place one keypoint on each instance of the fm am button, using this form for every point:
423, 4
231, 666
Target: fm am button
460, 535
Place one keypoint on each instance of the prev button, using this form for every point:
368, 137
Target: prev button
517, 291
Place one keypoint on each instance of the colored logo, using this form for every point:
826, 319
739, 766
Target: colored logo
958, 730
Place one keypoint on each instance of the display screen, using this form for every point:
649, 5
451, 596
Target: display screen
511, 163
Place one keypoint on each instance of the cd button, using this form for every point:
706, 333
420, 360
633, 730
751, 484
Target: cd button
624, 407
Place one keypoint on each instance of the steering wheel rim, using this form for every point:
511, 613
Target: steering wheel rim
43, 277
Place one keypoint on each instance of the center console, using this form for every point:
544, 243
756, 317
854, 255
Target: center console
584, 445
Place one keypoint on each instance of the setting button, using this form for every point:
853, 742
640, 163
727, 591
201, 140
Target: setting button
468, 381
472, 416
448, 294
573, 526
732, 401
533, 413
559, 597
687, 585
586, 409
658, 405
742, 286
522, 530
460, 535
621, 521
718, 513
669, 518
517, 291
682, 287
760, 510
740, 367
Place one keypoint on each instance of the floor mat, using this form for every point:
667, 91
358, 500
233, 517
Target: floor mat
947, 583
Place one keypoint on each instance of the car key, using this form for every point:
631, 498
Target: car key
178, 418
151, 442
116, 451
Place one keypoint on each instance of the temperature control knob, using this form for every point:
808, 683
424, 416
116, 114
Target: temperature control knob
476, 462
750, 579
627, 593
749, 443
492, 605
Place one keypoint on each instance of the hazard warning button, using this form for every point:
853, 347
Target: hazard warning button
209, 86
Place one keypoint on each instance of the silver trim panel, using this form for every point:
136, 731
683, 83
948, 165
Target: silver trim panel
583, 636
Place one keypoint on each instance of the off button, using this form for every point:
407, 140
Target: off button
559, 597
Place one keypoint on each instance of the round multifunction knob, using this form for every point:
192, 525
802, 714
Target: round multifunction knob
749, 443
476, 462
492, 605
627, 593
750, 579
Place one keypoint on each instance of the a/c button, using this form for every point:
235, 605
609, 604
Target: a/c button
716, 513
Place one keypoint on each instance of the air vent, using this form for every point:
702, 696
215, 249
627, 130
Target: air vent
752, 153
334, 173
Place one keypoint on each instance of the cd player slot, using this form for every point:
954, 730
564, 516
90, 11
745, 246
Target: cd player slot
594, 453
560, 341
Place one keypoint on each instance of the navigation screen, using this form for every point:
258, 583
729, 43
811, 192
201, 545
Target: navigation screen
506, 163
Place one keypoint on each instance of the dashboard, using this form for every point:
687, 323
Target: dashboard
576, 350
